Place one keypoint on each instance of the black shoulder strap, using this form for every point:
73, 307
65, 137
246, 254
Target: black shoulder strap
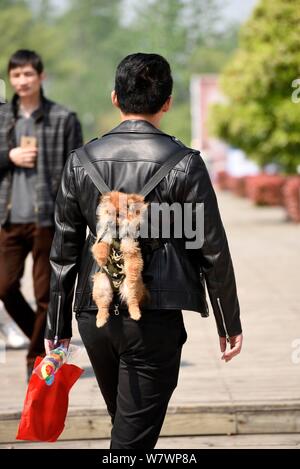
95, 176
164, 170
150, 185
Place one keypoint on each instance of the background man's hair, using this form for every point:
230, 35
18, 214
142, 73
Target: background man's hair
24, 57
143, 83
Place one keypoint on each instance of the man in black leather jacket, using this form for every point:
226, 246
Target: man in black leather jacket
136, 363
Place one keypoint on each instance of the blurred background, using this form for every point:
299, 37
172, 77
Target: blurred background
235, 66
236, 69
82, 42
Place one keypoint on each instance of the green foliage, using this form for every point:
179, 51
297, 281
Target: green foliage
184, 32
90, 29
20, 29
82, 43
177, 122
259, 115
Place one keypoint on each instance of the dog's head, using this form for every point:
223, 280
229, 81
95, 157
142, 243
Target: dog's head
122, 212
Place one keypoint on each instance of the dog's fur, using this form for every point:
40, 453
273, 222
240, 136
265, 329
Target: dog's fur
120, 212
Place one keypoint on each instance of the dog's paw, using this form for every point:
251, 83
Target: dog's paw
135, 313
101, 252
100, 321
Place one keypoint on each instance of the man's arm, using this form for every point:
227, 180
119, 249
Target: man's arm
214, 254
69, 238
72, 134
5, 162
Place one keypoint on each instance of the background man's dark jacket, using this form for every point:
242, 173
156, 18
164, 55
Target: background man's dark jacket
126, 158
58, 132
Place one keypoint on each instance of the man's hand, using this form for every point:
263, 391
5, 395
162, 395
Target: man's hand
23, 157
236, 342
49, 344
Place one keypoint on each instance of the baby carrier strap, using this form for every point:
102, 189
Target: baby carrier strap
101, 185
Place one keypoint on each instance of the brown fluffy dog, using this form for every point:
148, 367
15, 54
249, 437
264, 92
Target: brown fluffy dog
118, 253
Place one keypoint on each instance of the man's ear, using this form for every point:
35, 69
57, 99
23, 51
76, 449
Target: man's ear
167, 106
43, 76
114, 99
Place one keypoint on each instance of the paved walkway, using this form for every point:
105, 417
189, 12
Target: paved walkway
197, 442
266, 255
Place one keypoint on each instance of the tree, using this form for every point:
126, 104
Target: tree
99, 34
259, 115
20, 28
82, 42
182, 31
92, 35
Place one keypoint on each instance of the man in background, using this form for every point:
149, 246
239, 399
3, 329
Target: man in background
36, 136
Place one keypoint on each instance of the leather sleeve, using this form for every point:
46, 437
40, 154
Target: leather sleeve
68, 242
215, 258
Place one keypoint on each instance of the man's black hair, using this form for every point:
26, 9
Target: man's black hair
143, 83
24, 57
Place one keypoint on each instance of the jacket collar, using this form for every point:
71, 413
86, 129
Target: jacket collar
37, 114
135, 126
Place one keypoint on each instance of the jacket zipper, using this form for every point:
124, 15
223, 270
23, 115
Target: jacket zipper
57, 319
36, 209
116, 309
116, 303
9, 203
202, 280
223, 319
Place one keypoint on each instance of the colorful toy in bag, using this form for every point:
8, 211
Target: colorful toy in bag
51, 363
47, 397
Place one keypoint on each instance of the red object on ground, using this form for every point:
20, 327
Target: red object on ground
222, 180
45, 407
291, 195
266, 189
237, 184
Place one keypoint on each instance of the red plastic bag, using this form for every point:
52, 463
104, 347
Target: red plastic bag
45, 407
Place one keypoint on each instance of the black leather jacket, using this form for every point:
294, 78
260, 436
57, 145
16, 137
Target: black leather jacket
175, 276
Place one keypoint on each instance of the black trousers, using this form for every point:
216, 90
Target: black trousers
136, 364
